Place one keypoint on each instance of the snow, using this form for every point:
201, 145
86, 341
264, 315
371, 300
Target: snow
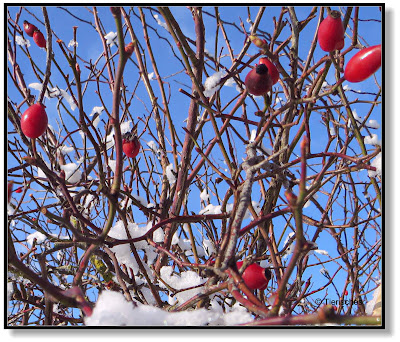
212, 209
377, 162
370, 124
49, 93
261, 145
112, 309
208, 247
230, 82
182, 281
324, 271
265, 263
60, 237
66, 149
146, 292
372, 140
291, 247
158, 235
10, 291
40, 172
170, 174
373, 124
123, 252
88, 204
175, 239
141, 200
96, 110
69, 99
36, 235
110, 38
72, 43
126, 127
152, 145
54, 92
185, 244
321, 251
371, 304
346, 87
159, 22
211, 83
239, 315
22, 41
356, 118
112, 164
204, 195
109, 139
72, 174
151, 254
315, 196
127, 202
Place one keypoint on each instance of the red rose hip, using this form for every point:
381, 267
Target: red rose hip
129, 49
29, 28
258, 80
130, 144
34, 121
39, 39
363, 64
255, 276
331, 32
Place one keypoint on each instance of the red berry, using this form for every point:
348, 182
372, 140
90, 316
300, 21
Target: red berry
346, 293
34, 121
129, 49
130, 145
255, 276
331, 32
273, 72
39, 39
29, 28
258, 81
363, 64
18, 190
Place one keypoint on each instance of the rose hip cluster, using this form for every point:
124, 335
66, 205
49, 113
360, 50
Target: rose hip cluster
32, 31
363, 64
34, 120
331, 32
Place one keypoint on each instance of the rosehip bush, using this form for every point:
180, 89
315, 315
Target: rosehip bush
151, 150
